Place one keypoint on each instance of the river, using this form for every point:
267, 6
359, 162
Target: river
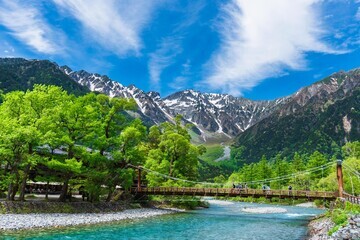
222, 220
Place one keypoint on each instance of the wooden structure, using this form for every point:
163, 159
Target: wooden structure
340, 177
255, 193
235, 192
351, 198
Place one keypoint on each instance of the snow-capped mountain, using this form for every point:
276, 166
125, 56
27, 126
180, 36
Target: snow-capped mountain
149, 105
212, 113
221, 113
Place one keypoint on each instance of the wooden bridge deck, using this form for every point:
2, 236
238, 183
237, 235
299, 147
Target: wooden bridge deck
234, 192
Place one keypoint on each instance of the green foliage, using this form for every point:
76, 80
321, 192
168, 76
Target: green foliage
212, 153
172, 154
21, 74
339, 217
98, 145
297, 175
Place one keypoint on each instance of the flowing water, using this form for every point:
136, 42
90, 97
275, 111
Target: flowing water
223, 220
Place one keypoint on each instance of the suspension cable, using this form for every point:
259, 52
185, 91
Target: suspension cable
284, 177
173, 178
279, 178
354, 171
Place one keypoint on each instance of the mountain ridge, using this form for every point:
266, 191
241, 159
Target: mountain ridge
210, 113
322, 117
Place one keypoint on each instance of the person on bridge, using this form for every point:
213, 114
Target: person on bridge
290, 188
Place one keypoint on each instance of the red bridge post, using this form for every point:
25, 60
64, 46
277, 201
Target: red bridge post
340, 177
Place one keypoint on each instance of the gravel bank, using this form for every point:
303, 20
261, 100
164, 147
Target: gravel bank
307, 205
264, 210
45, 220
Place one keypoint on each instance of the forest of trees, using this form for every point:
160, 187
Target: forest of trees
49, 135
303, 172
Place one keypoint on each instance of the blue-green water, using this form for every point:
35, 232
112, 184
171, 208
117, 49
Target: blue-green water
223, 220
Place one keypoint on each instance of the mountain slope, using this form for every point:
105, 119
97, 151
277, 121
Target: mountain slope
213, 115
320, 117
21, 74
220, 113
149, 109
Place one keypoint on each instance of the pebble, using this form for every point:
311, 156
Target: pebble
43, 220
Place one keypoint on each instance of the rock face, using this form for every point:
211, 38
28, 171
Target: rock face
221, 113
319, 228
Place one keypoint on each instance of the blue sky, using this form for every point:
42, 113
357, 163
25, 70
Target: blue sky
258, 49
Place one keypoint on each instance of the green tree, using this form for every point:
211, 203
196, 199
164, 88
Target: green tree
175, 156
316, 160
72, 122
18, 137
263, 170
280, 168
297, 163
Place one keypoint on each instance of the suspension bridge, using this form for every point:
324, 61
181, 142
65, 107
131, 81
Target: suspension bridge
249, 192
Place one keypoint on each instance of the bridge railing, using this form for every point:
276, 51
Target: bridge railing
235, 192
351, 198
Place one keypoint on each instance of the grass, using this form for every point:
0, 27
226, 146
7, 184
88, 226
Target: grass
213, 152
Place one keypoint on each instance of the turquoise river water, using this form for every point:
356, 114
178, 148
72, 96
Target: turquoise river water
223, 220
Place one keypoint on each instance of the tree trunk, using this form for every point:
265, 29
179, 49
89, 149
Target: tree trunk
23, 183
109, 196
15, 189
10, 190
13, 186
64, 190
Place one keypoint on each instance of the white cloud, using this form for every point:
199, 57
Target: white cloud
26, 24
163, 57
262, 39
181, 81
115, 25
357, 16
170, 47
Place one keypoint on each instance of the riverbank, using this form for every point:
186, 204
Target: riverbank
341, 222
323, 228
16, 207
14, 222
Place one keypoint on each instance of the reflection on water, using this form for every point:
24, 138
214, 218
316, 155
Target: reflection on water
223, 220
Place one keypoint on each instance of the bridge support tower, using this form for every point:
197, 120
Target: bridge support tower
340, 177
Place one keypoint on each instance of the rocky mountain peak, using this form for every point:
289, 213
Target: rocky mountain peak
212, 113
